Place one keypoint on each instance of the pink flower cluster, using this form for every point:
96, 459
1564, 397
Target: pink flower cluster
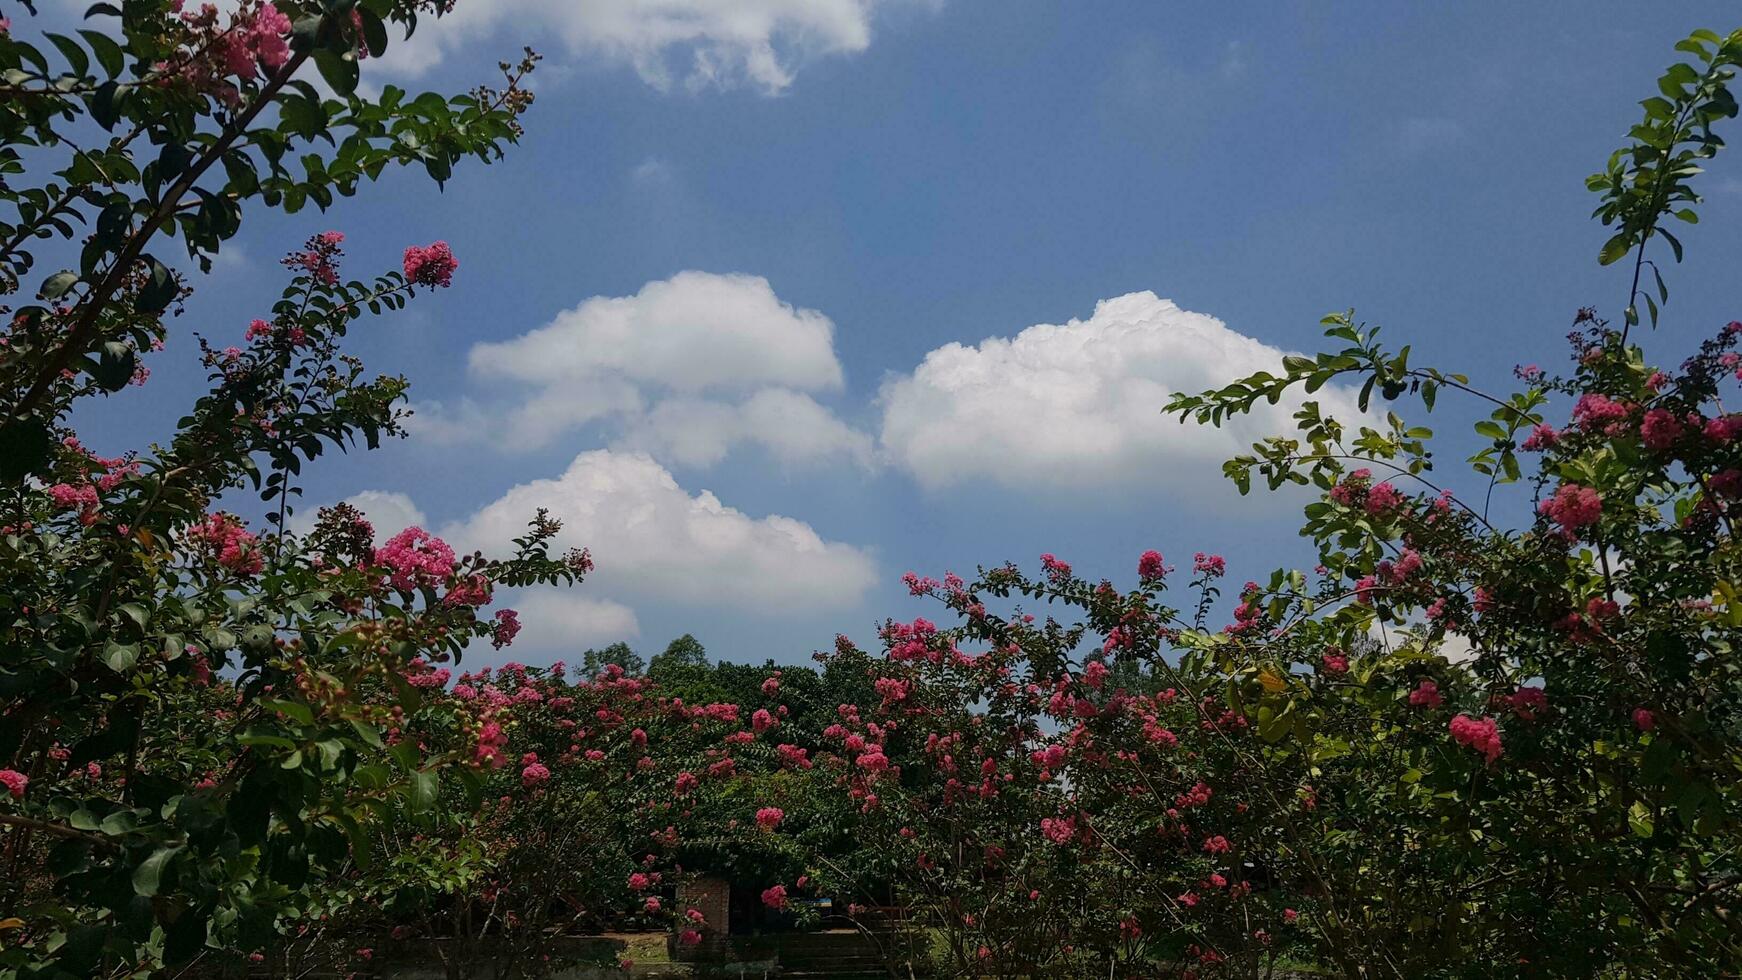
415, 557
1483, 735
1426, 695
81, 497
319, 258
534, 775
1596, 412
221, 537
257, 39
1573, 508
430, 265
1059, 830
769, 817
1213, 566
15, 782
507, 628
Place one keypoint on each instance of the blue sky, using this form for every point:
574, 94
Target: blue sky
706, 310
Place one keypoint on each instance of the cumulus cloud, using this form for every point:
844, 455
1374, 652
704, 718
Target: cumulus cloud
652, 537
699, 44
692, 332
564, 620
687, 369
789, 425
1078, 406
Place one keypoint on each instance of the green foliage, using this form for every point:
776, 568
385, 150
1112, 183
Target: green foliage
203, 713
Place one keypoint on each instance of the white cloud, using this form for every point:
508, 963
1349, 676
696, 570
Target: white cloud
653, 173
389, 513
692, 332
645, 362
789, 425
698, 43
651, 537
566, 621
1078, 406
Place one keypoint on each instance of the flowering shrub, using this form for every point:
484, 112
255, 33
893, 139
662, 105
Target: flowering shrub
1545, 732
201, 712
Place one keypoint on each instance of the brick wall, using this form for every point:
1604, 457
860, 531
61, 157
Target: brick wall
713, 898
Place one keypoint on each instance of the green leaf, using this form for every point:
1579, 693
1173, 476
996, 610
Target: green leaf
1615, 249
423, 790
109, 53
121, 656
160, 288
370, 735
149, 875
340, 70
56, 286
1639, 818
294, 710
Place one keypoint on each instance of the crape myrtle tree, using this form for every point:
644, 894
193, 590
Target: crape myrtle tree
1045, 816
201, 721
592, 789
1564, 798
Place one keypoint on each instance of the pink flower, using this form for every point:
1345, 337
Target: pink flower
15, 782
762, 721
534, 775
1290, 916
1427, 695
774, 897
1095, 674
1543, 436
507, 628
1217, 845
415, 557
1660, 430
769, 817
1572, 507
82, 498
222, 538
689, 937
771, 686
270, 27
1336, 663
1483, 735
1383, 499
1724, 429
431, 265
1527, 702
1150, 567
1059, 830
1596, 411
1643, 719
1210, 565
1057, 572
